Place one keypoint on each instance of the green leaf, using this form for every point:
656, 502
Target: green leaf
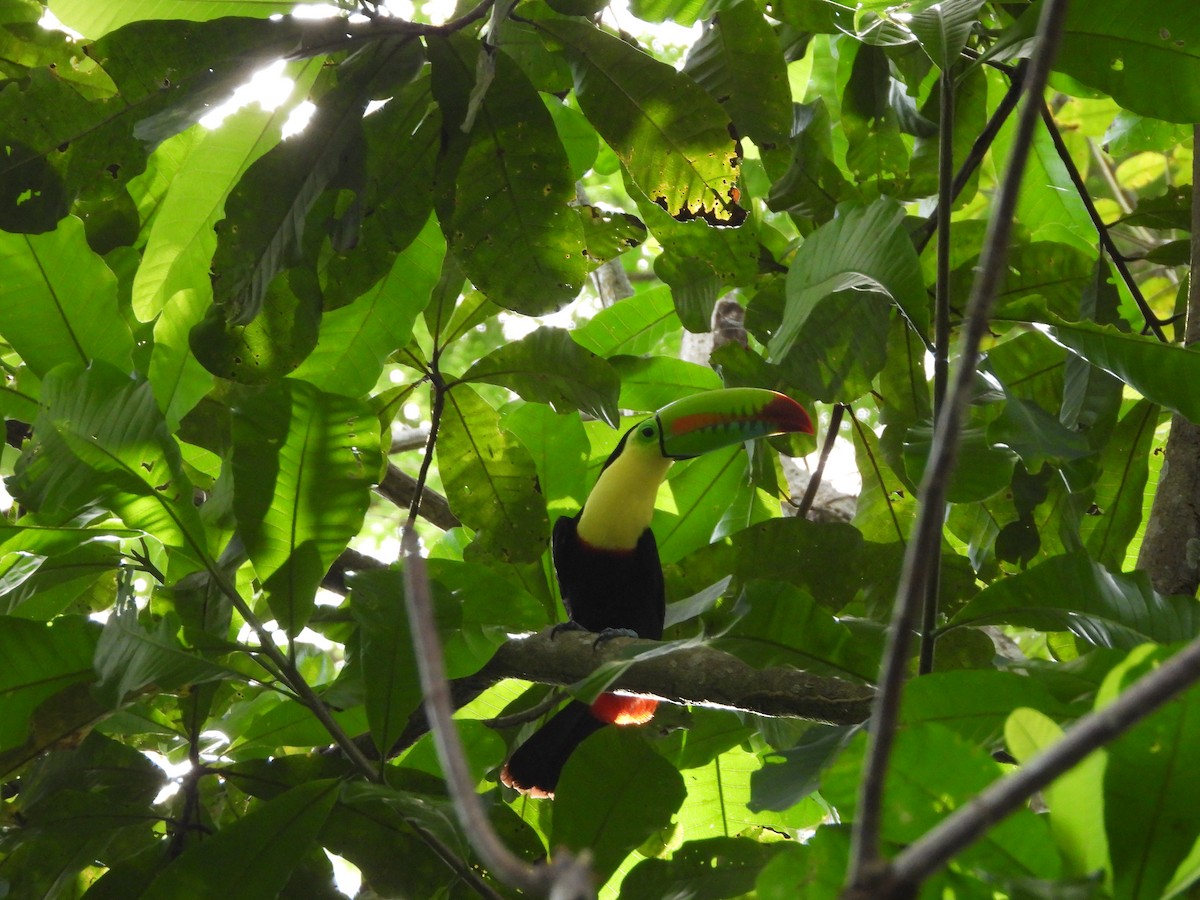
255, 854
303, 465
711, 869
648, 384
633, 326
1075, 800
490, 479
607, 235
265, 214
864, 248
739, 61
1130, 52
1108, 528
876, 153
177, 377
1151, 826
129, 657
814, 869
670, 135
975, 704
547, 366
943, 28
92, 20
1073, 593
355, 340
41, 660
1160, 372
788, 776
506, 216
783, 625
100, 439
60, 300
268, 347
614, 793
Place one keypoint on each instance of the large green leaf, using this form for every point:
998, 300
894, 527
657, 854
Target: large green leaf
1131, 51
739, 61
506, 214
547, 366
40, 661
303, 465
60, 300
94, 19
876, 153
265, 214
255, 854
100, 440
943, 28
672, 137
1164, 373
1075, 800
709, 869
783, 625
650, 383
864, 249
932, 772
1150, 822
490, 479
129, 657
975, 704
181, 240
614, 793
635, 325
355, 340
1074, 593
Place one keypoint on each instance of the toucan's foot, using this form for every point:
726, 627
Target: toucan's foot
609, 633
569, 625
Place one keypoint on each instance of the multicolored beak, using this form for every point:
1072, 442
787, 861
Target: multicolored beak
705, 422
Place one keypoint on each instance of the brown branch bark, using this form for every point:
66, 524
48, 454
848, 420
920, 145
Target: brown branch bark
1170, 551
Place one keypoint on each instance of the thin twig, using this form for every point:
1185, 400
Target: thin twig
566, 876
814, 483
962, 827
437, 406
335, 34
1106, 241
941, 340
867, 867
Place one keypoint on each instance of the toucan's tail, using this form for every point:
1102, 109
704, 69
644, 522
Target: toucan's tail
534, 768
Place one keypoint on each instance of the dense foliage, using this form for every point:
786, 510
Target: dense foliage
209, 335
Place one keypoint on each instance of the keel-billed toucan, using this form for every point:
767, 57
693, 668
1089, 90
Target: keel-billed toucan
607, 562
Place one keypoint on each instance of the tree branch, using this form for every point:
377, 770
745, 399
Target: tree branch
400, 488
866, 863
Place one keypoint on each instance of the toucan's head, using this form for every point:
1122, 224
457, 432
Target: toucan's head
704, 422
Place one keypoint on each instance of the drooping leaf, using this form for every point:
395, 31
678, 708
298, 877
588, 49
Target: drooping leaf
355, 340
739, 61
650, 383
1073, 593
876, 153
547, 366
100, 440
265, 214
257, 853
1130, 52
614, 793
863, 249
60, 300
129, 657
506, 214
1160, 372
672, 137
490, 479
303, 465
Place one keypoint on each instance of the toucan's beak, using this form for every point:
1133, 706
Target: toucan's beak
715, 419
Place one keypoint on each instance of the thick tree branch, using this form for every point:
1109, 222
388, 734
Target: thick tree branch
695, 676
400, 488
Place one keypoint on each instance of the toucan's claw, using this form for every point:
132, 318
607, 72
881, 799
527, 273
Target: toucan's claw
609, 633
569, 625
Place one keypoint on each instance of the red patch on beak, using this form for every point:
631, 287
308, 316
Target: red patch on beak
788, 415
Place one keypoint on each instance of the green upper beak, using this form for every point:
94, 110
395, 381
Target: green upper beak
705, 422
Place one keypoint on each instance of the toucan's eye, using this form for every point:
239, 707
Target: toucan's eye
648, 431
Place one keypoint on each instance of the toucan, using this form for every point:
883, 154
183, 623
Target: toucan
607, 562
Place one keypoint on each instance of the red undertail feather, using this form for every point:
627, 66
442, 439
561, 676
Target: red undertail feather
619, 710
